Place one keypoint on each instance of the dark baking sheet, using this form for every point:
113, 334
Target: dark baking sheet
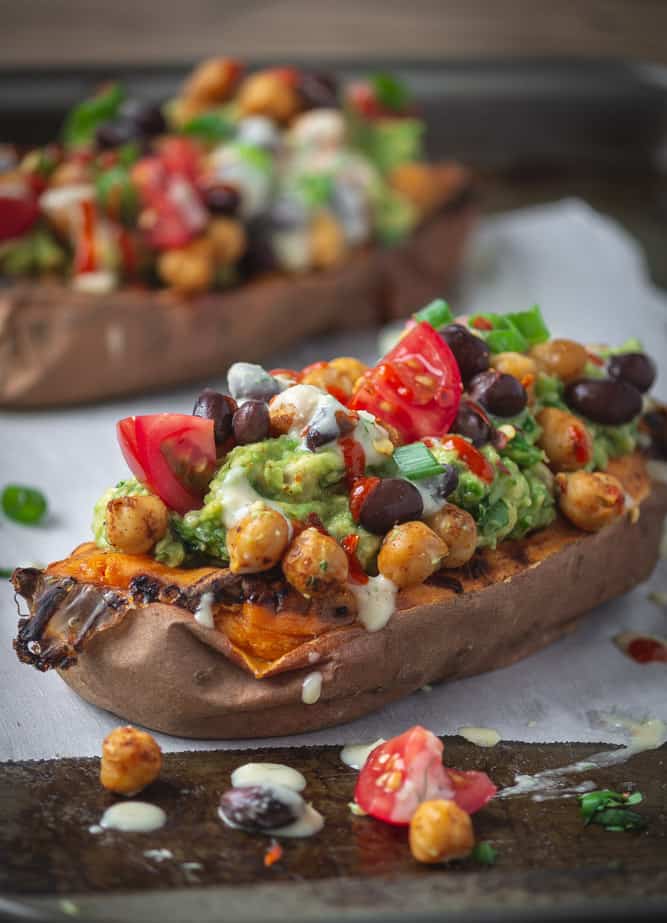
549, 865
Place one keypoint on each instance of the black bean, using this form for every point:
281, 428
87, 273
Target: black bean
447, 482
471, 422
246, 380
500, 394
257, 807
604, 400
251, 422
318, 90
637, 369
146, 116
116, 132
323, 428
212, 405
222, 199
471, 353
393, 501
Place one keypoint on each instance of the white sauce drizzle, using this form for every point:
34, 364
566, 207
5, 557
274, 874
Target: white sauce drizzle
646, 735
481, 737
432, 500
158, 855
133, 817
268, 774
311, 688
204, 611
94, 283
238, 496
310, 823
376, 601
307, 821
355, 755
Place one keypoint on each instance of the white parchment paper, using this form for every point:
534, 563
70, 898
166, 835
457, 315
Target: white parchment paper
590, 278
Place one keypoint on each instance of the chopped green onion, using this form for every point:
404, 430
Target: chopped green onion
82, 121
5, 573
484, 853
416, 462
23, 504
509, 340
610, 810
531, 324
390, 92
437, 314
210, 127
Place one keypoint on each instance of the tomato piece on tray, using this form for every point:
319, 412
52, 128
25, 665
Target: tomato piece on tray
18, 212
416, 388
408, 769
171, 453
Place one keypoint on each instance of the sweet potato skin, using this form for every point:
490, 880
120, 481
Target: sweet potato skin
159, 667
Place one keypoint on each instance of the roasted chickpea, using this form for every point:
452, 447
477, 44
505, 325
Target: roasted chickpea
327, 241
212, 81
565, 439
564, 358
283, 417
268, 93
131, 760
590, 500
516, 364
315, 563
228, 237
427, 186
188, 269
184, 108
135, 524
258, 541
458, 530
410, 553
440, 831
351, 368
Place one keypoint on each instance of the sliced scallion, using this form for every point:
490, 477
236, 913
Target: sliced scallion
437, 314
416, 462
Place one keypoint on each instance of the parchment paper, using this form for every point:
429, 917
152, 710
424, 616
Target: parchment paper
590, 278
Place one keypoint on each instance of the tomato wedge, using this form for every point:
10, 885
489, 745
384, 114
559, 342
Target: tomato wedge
172, 453
18, 211
408, 769
416, 388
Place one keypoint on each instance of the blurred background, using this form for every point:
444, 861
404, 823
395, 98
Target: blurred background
546, 98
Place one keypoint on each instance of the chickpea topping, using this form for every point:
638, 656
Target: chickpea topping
341, 374
135, 524
131, 760
564, 358
328, 246
212, 81
258, 541
565, 439
410, 553
440, 831
516, 364
458, 530
283, 417
228, 239
268, 93
188, 269
70, 173
590, 500
315, 563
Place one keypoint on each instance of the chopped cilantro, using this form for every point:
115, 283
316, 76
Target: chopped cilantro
324, 566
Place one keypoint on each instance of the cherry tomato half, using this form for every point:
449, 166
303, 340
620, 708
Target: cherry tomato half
172, 453
404, 771
18, 210
416, 388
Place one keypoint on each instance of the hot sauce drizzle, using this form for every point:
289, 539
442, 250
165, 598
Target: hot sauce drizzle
85, 253
647, 650
361, 488
350, 544
354, 459
580, 444
469, 454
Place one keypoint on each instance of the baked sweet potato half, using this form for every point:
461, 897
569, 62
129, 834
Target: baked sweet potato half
122, 632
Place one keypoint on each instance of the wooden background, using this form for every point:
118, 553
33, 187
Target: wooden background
66, 33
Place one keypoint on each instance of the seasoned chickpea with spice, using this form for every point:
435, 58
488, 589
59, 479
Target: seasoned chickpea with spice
228, 240
135, 524
189, 269
341, 374
517, 364
440, 831
458, 529
564, 358
258, 541
326, 238
565, 439
410, 553
212, 81
315, 563
590, 500
131, 760
269, 93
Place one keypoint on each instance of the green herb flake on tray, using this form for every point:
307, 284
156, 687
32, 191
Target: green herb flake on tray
611, 810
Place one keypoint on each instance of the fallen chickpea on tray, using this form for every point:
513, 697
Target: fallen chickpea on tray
316, 544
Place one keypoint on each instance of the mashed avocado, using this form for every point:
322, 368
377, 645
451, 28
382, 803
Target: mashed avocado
279, 472
608, 441
518, 501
